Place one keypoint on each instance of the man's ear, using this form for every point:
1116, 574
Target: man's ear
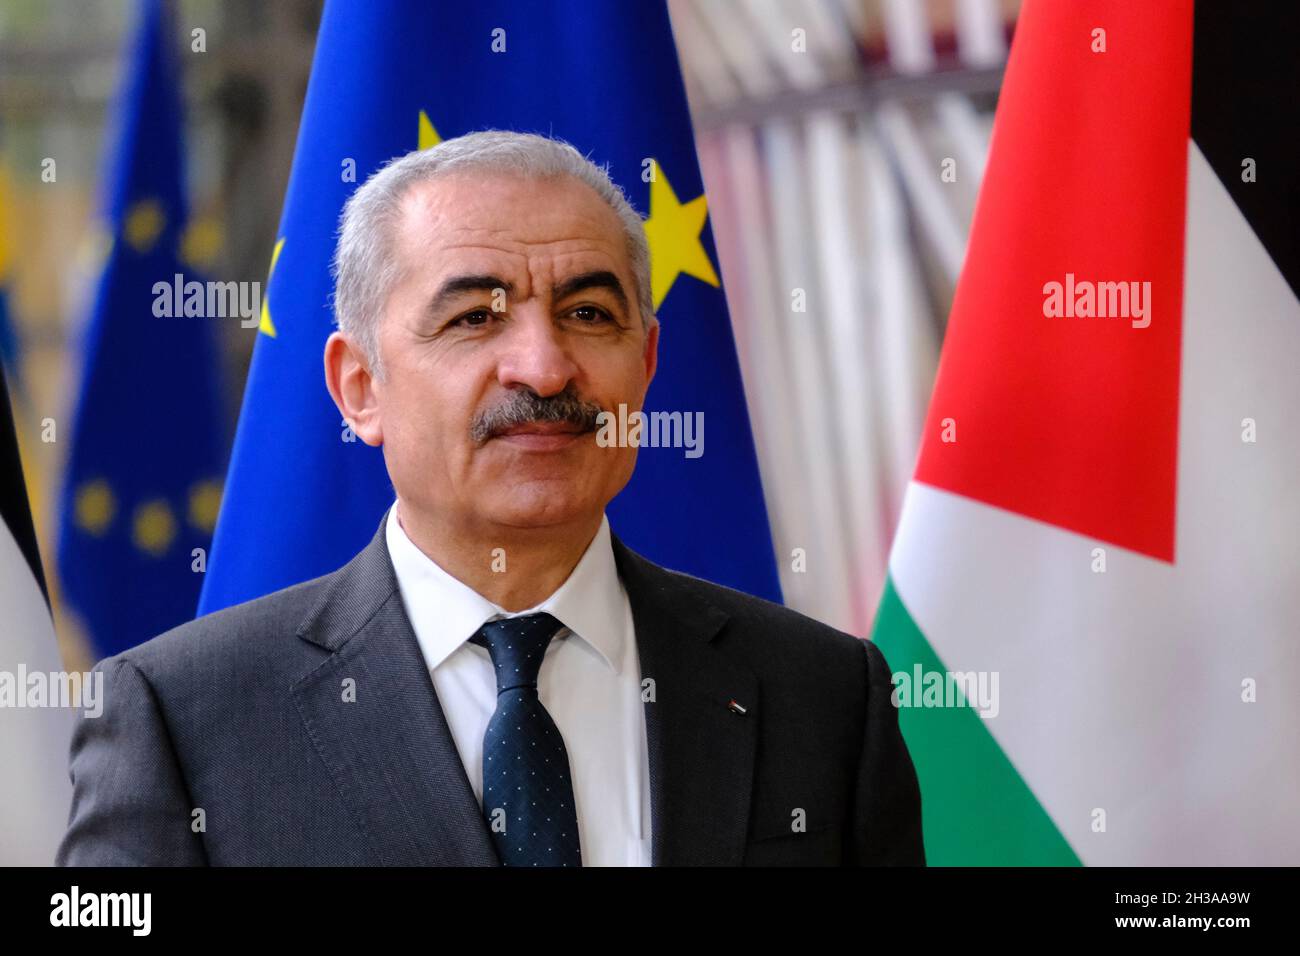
651, 352
351, 385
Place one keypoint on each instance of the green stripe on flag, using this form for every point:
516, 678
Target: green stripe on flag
976, 809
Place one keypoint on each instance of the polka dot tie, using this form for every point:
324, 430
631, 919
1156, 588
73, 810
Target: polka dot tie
527, 791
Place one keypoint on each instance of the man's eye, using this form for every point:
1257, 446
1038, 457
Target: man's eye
589, 314
476, 319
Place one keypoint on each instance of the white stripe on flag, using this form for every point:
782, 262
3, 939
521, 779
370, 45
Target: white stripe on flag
35, 792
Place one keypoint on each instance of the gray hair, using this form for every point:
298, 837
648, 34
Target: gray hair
364, 266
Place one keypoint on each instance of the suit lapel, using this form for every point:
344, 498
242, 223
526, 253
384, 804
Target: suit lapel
701, 751
390, 751
395, 763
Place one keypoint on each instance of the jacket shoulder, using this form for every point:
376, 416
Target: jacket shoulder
259, 627
767, 627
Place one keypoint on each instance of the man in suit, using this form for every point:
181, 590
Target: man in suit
495, 679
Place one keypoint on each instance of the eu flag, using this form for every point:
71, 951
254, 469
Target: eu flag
143, 482
396, 75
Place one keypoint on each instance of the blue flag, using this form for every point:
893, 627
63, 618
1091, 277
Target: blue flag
143, 482
389, 77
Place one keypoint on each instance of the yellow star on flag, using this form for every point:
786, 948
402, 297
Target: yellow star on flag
266, 325
673, 232
144, 223
428, 136
94, 507
154, 527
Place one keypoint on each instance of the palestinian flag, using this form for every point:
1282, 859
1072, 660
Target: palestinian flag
1105, 515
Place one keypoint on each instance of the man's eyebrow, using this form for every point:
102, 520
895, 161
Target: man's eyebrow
600, 279
458, 285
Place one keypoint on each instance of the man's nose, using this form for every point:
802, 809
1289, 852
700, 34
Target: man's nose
534, 352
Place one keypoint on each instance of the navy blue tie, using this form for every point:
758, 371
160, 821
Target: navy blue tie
527, 790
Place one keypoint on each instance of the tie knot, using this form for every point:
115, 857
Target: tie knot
517, 645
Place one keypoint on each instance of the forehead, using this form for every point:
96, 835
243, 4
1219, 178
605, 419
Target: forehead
504, 221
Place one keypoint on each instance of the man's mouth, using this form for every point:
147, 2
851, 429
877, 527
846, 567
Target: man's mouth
541, 436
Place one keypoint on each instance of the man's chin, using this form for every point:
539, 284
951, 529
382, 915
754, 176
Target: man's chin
544, 500
540, 516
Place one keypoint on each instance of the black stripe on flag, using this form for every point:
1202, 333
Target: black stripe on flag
14, 506
1246, 104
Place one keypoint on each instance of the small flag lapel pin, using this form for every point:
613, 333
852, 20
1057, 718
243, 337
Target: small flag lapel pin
736, 708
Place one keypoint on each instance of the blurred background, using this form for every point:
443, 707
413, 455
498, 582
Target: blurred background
840, 187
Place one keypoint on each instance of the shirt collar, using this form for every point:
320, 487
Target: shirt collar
445, 612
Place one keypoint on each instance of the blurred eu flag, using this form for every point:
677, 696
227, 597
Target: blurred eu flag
394, 75
142, 488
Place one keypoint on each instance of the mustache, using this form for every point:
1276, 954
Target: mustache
524, 406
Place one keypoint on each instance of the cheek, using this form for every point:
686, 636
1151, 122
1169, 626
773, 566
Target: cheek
619, 378
423, 416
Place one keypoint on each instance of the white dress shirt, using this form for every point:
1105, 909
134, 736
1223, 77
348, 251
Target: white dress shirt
590, 683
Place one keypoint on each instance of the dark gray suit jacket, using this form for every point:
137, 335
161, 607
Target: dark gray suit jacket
241, 714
